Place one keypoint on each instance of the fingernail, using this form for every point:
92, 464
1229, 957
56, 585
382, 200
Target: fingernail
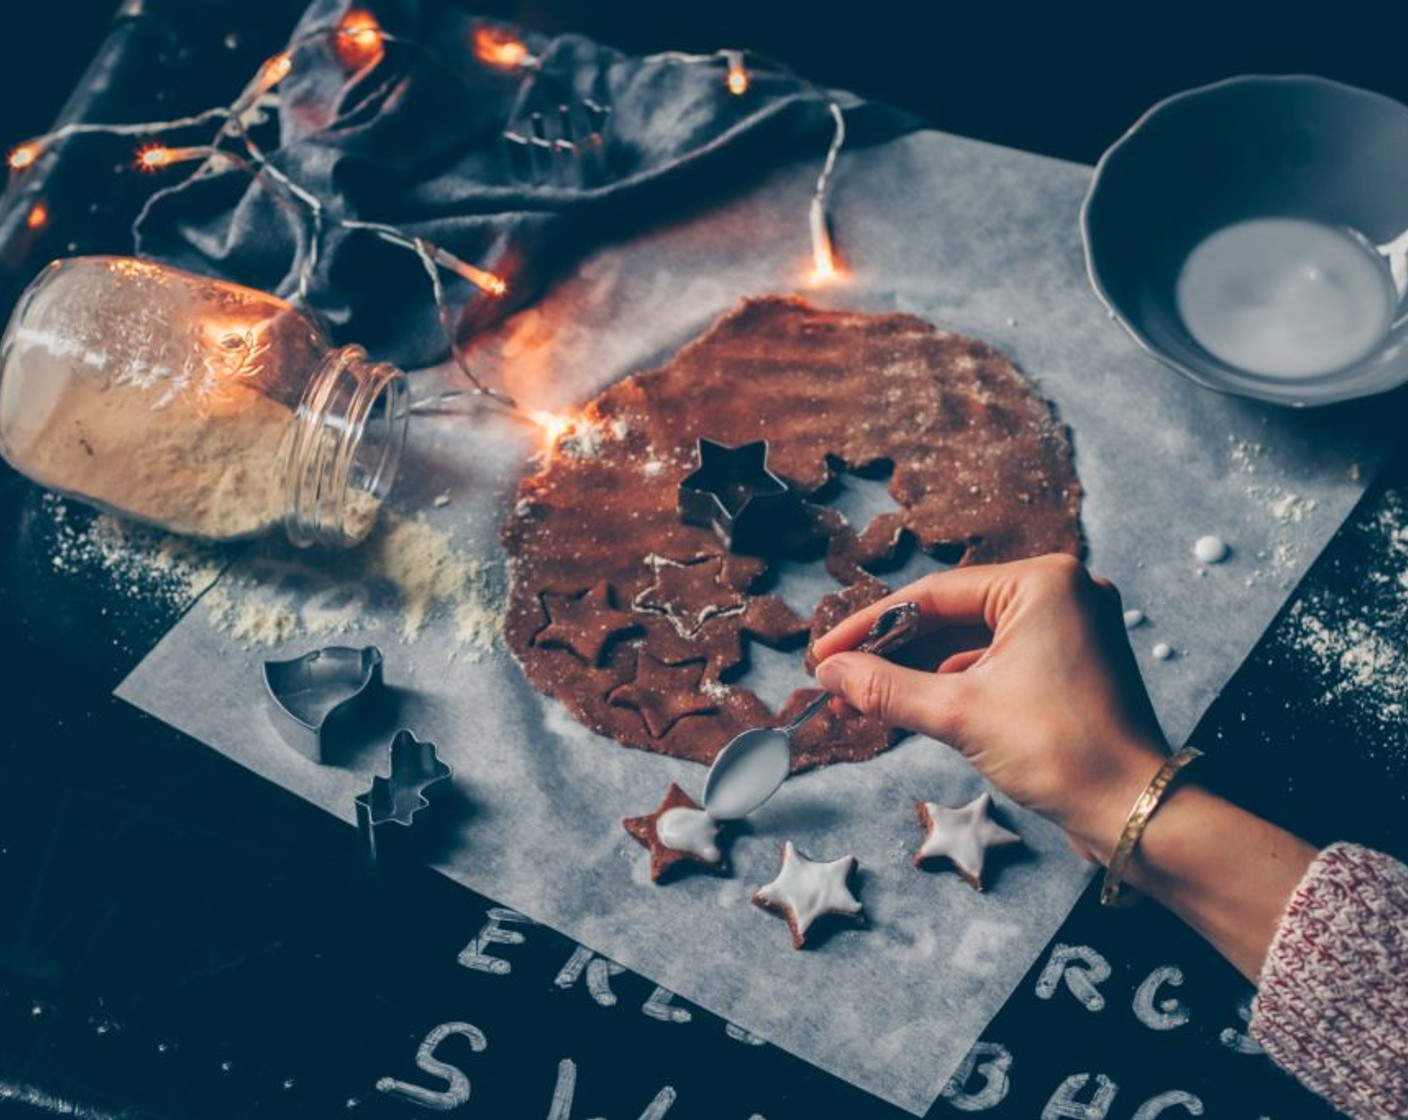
830, 675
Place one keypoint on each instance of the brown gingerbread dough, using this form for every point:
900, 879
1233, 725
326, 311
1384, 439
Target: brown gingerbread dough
639, 623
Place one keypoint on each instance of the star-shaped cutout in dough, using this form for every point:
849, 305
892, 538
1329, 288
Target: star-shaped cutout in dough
663, 694
584, 623
677, 832
806, 890
689, 593
767, 619
962, 836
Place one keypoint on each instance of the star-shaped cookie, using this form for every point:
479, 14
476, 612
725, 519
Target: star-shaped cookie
806, 890
962, 836
663, 694
584, 623
677, 832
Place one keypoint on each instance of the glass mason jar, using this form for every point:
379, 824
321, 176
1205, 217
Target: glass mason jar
196, 405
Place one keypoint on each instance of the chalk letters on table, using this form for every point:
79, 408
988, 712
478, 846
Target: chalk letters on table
982, 1081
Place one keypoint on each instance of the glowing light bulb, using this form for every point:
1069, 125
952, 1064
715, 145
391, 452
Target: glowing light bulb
737, 77
38, 216
153, 157
495, 47
24, 156
156, 156
275, 70
825, 269
486, 282
358, 40
554, 425
494, 285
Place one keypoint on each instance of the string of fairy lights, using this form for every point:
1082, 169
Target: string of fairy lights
359, 42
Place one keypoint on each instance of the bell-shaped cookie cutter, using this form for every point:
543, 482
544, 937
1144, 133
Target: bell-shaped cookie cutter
314, 696
397, 799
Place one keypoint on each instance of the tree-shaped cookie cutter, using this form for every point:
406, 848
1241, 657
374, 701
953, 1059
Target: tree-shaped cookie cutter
394, 801
318, 696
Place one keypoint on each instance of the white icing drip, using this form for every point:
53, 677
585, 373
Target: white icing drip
1210, 550
964, 835
809, 889
689, 830
747, 773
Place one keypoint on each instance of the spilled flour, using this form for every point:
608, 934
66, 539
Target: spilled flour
409, 572
1357, 638
1280, 561
140, 564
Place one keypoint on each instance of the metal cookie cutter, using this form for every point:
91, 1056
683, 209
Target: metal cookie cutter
315, 696
396, 800
733, 492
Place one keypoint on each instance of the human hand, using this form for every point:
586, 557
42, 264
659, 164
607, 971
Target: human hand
1048, 705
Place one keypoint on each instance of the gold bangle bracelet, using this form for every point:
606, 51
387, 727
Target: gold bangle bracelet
1138, 820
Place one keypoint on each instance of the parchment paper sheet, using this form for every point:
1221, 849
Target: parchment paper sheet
975, 238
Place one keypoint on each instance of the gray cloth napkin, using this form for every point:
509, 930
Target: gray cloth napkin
416, 141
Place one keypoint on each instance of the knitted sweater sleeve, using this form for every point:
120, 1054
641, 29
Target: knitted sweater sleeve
1332, 1001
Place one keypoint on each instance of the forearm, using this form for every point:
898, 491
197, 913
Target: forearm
1223, 870
1053, 712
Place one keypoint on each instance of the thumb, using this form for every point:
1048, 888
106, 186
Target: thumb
899, 696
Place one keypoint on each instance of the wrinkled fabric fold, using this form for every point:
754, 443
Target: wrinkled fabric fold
415, 141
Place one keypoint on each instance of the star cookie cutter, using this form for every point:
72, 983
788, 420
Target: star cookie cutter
397, 800
315, 696
732, 492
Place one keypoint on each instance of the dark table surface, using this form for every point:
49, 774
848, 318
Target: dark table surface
179, 938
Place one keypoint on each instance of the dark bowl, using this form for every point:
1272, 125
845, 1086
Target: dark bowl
1250, 147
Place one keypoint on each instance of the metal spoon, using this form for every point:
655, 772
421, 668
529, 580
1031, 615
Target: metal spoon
753, 765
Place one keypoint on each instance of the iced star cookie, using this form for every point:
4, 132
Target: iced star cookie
806, 890
679, 831
962, 836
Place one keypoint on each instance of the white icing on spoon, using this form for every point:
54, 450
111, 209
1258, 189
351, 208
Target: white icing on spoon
752, 765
